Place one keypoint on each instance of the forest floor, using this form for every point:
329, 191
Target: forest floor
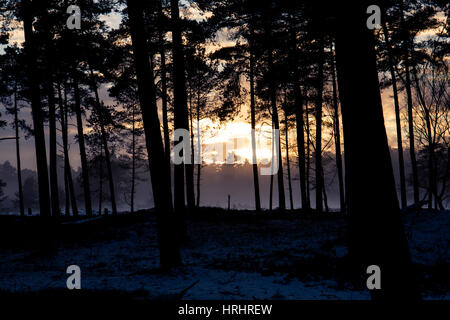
232, 255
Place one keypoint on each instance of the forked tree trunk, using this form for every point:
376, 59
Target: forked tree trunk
167, 238
36, 107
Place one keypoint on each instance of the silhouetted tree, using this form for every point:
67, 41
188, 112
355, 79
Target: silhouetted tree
168, 242
376, 232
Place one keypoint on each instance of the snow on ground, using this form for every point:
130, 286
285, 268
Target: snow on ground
262, 259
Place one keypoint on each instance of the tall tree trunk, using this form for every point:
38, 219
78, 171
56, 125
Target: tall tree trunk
133, 166
100, 183
412, 150
82, 147
53, 149
63, 113
199, 147
168, 244
299, 121
36, 107
164, 96
271, 176
66, 194
19, 167
104, 138
401, 162
253, 124
432, 187
318, 115
286, 133
308, 155
375, 232
191, 124
275, 120
337, 136
324, 192
181, 113
51, 115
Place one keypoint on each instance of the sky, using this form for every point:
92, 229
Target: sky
213, 134
223, 132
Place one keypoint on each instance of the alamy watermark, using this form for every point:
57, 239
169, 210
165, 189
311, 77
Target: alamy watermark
226, 152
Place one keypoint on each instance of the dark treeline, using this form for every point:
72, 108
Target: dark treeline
312, 68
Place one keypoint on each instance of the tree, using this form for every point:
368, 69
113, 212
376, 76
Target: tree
168, 243
432, 125
337, 134
397, 115
241, 59
81, 143
12, 76
272, 90
299, 113
318, 116
376, 232
162, 21
181, 120
70, 190
27, 15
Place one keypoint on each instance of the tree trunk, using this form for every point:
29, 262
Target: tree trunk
412, 150
181, 120
19, 167
100, 182
375, 232
164, 97
308, 155
51, 116
63, 112
104, 138
275, 121
36, 107
299, 121
168, 244
401, 163
133, 166
66, 194
199, 147
337, 137
286, 133
53, 150
253, 124
318, 115
82, 147
191, 123
324, 191
432, 187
